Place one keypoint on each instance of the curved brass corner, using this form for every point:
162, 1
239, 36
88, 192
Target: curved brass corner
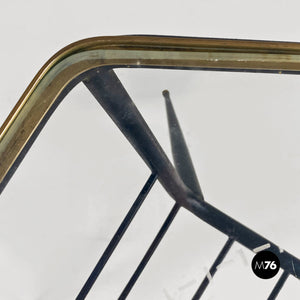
132, 51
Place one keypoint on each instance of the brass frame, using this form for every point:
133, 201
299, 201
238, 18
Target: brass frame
78, 61
132, 51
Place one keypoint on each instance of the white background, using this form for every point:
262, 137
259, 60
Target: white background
67, 197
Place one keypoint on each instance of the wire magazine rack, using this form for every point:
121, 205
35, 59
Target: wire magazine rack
92, 61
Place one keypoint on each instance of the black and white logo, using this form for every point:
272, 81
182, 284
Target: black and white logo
265, 264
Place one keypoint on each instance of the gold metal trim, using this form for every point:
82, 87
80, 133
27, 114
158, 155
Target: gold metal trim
133, 51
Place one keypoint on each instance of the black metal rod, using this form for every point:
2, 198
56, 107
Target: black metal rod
181, 155
106, 87
213, 269
110, 93
244, 235
279, 284
150, 252
117, 237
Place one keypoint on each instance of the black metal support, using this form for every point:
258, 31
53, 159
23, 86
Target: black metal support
213, 269
149, 252
106, 87
244, 235
180, 152
279, 284
110, 93
117, 237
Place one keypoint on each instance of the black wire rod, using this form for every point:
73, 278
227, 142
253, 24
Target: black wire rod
214, 268
117, 237
279, 284
150, 252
